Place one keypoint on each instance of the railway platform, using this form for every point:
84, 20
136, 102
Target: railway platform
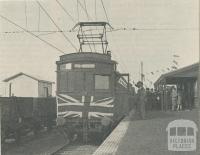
145, 137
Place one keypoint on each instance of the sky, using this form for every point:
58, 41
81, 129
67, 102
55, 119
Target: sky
168, 27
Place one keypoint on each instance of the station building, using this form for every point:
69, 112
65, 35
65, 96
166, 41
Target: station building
184, 79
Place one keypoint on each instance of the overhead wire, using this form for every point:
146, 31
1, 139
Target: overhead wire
66, 11
105, 11
38, 17
43, 34
95, 9
88, 20
123, 65
41, 31
84, 9
58, 27
25, 11
51, 45
152, 29
77, 9
114, 29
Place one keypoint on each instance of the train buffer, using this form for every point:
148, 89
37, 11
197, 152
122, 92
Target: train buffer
145, 137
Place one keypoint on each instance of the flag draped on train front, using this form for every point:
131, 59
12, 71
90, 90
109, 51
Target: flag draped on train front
69, 107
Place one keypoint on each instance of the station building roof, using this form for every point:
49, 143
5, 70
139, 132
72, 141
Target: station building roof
174, 77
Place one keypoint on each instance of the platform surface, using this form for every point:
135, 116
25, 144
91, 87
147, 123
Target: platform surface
134, 136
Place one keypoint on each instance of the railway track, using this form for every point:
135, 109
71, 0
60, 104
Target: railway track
76, 148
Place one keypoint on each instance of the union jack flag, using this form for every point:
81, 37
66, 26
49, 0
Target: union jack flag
69, 107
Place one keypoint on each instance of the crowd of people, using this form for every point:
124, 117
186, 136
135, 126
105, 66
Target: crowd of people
146, 100
171, 98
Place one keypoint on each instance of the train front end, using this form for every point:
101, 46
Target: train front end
85, 91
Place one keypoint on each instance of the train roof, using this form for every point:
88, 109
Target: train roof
86, 57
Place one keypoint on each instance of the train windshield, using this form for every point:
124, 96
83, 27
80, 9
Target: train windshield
101, 82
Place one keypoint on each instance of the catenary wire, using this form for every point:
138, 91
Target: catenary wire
105, 11
58, 27
65, 11
32, 34
25, 12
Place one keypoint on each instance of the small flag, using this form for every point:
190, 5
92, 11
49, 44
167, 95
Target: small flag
174, 67
176, 56
175, 62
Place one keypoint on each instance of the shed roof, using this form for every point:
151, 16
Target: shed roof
190, 71
30, 76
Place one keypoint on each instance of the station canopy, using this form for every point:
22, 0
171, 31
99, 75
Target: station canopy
180, 75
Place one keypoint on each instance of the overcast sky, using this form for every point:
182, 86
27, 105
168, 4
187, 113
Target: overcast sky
171, 27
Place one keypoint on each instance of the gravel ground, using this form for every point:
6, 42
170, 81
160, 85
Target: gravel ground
43, 144
149, 136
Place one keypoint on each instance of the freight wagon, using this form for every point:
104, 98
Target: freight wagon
20, 115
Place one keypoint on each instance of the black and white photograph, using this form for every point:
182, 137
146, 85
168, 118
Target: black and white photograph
99, 77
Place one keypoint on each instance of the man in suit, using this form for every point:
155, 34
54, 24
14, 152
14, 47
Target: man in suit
141, 99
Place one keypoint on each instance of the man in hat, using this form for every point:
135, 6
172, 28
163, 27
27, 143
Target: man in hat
141, 99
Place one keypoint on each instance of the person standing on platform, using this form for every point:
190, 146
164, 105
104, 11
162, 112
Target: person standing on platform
179, 100
174, 98
141, 99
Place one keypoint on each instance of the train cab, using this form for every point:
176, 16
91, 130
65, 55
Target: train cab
85, 73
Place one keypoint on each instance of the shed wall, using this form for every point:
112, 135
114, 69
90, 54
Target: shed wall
22, 86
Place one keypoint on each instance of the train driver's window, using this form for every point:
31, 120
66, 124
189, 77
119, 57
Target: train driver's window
173, 131
66, 66
190, 131
181, 131
101, 82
